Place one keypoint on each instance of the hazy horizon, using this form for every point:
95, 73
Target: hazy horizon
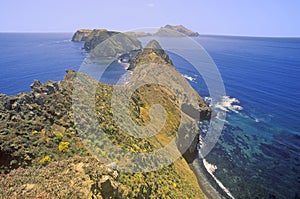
231, 18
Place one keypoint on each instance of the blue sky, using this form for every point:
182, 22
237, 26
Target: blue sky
222, 17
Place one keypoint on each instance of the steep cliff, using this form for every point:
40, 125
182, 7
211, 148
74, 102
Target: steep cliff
104, 43
81, 35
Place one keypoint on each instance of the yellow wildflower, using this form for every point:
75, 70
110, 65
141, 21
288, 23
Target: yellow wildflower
63, 146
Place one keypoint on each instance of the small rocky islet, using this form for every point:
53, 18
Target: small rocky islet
42, 153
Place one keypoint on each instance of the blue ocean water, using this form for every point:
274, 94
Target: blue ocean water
29, 56
258, 153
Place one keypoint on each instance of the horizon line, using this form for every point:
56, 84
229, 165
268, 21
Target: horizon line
205, 34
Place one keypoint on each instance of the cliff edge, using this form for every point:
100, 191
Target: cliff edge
46, 155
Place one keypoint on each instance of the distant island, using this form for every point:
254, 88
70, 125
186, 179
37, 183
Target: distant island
44, 155
86, 34
163, 31
123, 42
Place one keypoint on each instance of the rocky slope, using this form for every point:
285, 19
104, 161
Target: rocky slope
152, 53
191, 103
44, 156
34, 125
76, 177
104, 43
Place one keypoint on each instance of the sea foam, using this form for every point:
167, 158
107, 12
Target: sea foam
211, 170
226, 104
192, 79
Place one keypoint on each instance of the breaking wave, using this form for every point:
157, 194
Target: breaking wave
192, 79
210, 168
227, 104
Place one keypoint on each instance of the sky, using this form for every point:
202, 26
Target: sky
275, 18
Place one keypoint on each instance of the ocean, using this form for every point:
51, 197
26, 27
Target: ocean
29, 56
258, 153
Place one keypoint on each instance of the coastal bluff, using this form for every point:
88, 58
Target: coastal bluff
45, 155
105, 43
44, 152
81, 35
92, 37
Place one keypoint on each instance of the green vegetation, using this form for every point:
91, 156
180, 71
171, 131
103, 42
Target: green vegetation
63, 146
37, 130
45, 160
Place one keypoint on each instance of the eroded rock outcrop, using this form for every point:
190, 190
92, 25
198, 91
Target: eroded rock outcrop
81, 35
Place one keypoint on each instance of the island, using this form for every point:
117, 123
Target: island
87, 35
44, 153
163, 31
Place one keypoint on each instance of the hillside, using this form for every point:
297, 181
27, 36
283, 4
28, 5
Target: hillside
45, 148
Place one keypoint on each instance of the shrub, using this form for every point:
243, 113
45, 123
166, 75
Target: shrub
59, 134
45, 160
34, 132
63, 146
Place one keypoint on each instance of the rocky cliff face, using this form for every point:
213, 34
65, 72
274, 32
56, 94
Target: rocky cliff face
81, 35
104, 43
97, 36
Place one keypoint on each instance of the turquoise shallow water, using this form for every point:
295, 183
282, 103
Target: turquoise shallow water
257, 155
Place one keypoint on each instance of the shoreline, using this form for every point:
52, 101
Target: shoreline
207, 185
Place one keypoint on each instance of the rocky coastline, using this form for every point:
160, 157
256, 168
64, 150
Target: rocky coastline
83, 35
44, 152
